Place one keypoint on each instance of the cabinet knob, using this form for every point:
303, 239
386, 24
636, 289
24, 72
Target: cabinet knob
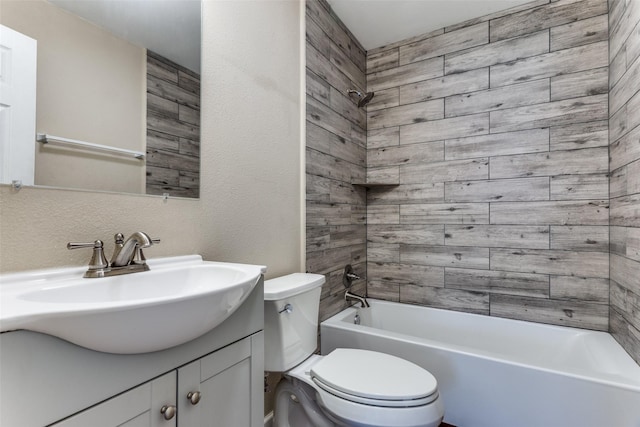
194, 397
168, 412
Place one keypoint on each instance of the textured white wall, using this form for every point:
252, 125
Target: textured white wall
250, 208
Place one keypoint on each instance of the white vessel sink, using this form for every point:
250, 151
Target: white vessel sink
178, 300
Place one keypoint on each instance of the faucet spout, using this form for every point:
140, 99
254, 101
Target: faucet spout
124, 256
349, 296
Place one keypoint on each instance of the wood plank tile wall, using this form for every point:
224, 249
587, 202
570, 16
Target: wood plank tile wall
496, 131
173, 128
335, 154
624, 122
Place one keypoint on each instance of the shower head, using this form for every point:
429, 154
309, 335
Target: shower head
364, 98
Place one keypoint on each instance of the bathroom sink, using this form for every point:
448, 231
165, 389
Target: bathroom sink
179, 299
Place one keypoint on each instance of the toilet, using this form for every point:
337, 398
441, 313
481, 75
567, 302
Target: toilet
347, 387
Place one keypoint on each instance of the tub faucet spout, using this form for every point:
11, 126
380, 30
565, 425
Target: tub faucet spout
349, 296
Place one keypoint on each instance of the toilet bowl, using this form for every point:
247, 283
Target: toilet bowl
347, 387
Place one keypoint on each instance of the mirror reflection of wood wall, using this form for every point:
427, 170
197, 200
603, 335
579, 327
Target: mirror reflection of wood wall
173, 128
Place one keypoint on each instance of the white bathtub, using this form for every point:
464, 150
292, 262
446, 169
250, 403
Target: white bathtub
495, 372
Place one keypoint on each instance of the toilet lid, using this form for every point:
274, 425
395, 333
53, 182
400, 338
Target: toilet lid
370, 377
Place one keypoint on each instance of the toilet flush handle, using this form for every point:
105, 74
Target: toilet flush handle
287, 308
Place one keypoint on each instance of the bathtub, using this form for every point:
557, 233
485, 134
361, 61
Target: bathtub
495, 372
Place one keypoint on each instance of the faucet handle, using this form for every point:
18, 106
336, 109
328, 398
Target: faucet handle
98, 260
138, 257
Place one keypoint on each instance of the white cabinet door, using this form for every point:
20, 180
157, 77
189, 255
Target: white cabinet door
139, 407
230, 384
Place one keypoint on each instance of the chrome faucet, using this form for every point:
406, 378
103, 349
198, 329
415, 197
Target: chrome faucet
127, 256
348, 297
124, 253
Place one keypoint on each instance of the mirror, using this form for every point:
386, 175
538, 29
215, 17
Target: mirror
118, 73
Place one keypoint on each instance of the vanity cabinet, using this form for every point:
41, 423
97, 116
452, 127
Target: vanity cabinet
71, 386
139, 407
216, 390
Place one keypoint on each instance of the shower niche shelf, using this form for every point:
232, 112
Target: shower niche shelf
375, 184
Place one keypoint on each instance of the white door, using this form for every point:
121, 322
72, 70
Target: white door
18, 58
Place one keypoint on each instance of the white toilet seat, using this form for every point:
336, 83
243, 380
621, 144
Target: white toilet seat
374, 378
351, 389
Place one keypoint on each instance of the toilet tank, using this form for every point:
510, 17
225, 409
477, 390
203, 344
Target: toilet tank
291, 305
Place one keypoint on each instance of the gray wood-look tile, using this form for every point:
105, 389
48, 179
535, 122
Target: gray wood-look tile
579, 187
449, 299
452, 170
584, 83
625, 181
579, 135
317, 38
546, 16
445, 256
328, 166
575, 314
574, 162
408, 234
406, 154
406, 114
624, 333
323, 116
625, 20
383, 289
625, 241
445, 213
410, 40
383, 175
557, 113
335, 31
383, 214
535, 92
624, 271
581, 32
580, 238
383, 252
436, 130
626, 119
499, 144
578, 212
383, 137
321, 238
322, 262
498, 14
441, 87
406, 74
497, 53
626, 87
326, 142
453, 41
406, 193
347, 108
569, 263
624, 211
552, 64
506, 190
626, 302
617, 67
382, 61
407, 274
328, 71
498, 236
497, 282
579, 289
347, 66
385, 98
